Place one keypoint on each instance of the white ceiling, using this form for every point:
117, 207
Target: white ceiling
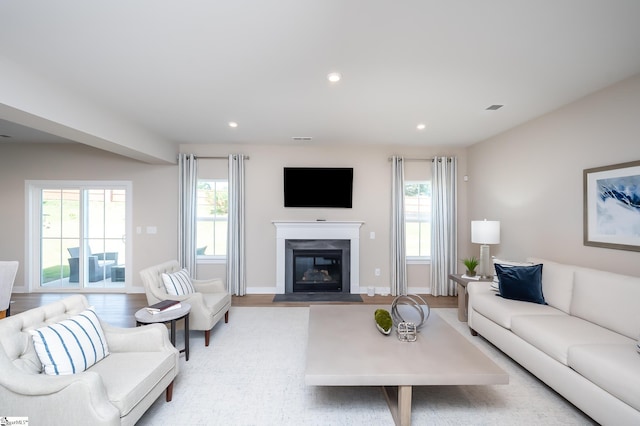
183, 69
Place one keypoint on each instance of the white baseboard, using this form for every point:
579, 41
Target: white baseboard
363, 290
261, 290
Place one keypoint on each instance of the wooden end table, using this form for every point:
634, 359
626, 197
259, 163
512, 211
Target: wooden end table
171, 316
463, 296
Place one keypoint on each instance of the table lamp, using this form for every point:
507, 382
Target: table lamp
485, 232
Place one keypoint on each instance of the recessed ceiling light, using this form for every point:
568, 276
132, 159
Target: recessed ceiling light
421, 126
494, 107
233, 124
334, 77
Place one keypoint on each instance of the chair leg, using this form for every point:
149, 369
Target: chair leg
207, 334
170, 391
226, 317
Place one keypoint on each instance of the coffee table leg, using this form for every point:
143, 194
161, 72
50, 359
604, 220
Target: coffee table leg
399, 402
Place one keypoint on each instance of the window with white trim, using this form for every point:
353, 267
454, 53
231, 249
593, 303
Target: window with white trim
212, 218
417, 210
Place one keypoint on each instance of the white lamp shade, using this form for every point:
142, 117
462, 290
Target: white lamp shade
485, 231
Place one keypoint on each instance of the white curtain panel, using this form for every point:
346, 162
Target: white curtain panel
187, 194
398, 248
236, 276
444, 247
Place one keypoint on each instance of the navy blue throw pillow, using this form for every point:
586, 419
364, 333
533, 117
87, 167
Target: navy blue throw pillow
521, 283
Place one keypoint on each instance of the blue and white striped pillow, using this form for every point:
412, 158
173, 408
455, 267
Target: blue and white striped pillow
178, 283
71, 346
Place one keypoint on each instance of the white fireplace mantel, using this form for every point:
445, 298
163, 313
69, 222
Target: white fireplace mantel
318, 230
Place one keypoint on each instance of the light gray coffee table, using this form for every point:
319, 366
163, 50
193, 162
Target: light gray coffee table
344, 348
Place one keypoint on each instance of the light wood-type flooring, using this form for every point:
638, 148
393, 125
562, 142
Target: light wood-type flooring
118, 309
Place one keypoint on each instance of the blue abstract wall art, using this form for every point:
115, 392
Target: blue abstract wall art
618, 207
612, 206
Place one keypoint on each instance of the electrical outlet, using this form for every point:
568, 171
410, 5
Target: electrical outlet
377, 272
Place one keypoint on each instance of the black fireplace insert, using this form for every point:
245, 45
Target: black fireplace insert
317, 270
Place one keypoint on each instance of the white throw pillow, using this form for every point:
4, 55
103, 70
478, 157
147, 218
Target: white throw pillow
71, 346
178, 283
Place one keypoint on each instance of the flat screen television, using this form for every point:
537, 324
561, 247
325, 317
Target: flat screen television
318, 187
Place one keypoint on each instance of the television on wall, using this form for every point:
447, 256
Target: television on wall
318, 187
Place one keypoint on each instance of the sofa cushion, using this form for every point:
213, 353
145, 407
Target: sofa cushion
614, 368
598, 294
557, 283
216, 301
128, 377
71, 346
521, 282
555, 334
501, 311
495, 284
178, 283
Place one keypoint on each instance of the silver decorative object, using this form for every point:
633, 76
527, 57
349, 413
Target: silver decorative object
407, 332
410, 308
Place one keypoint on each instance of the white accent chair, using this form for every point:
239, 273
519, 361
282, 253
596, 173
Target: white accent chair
8, 270
209, 303
117, 390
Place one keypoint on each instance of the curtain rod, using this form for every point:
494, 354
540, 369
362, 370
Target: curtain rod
217, 158
418, 159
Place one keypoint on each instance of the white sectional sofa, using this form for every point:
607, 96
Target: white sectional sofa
582, 343
139, 366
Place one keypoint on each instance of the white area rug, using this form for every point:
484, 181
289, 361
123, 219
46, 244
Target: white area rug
253, 374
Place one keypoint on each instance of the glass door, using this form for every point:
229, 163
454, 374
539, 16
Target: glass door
60, 237
82, 242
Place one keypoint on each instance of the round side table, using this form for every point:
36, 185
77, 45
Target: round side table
171, 316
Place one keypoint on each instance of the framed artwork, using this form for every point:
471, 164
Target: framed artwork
612, 206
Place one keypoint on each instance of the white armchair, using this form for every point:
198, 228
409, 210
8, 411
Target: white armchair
117, 390
209, 303
8, 270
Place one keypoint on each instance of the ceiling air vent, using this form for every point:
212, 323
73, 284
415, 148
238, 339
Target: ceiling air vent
494, 107
302, 138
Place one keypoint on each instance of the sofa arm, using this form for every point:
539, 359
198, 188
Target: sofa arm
149, 338
79, 399
478, 287
214, 285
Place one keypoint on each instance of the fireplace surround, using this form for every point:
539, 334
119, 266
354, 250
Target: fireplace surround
332, 234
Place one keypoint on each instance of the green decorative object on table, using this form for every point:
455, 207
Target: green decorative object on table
383, 321
471, 263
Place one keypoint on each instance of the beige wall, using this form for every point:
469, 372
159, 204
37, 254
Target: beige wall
154, 197
371, 195
155, 200
530, 178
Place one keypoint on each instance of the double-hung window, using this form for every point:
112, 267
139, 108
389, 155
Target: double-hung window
212, 218
417, 207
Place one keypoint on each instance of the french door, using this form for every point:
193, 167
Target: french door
78, 235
